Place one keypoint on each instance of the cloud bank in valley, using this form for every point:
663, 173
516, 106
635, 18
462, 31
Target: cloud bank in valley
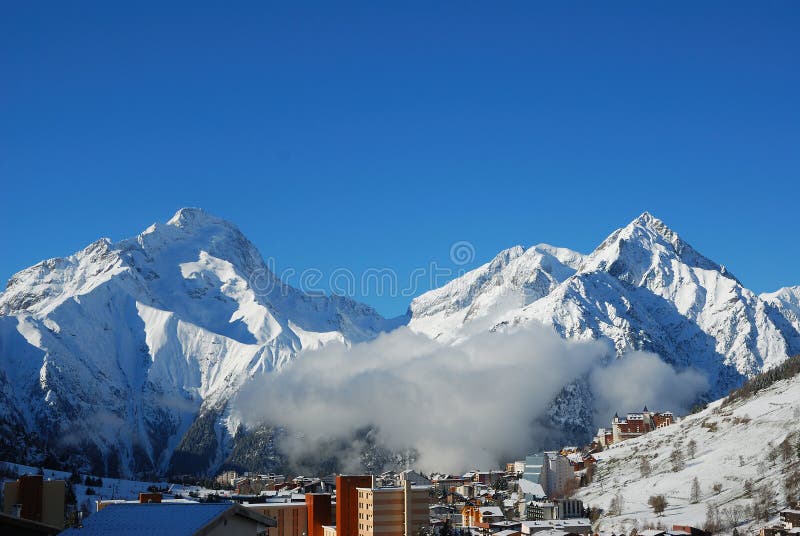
468, 405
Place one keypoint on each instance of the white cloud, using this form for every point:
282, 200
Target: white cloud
470, 405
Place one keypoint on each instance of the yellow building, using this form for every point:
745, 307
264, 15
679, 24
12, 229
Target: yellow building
392, 511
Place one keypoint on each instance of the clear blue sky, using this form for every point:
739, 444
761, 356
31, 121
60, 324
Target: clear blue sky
376, 134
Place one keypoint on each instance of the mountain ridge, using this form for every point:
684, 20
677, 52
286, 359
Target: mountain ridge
123, 357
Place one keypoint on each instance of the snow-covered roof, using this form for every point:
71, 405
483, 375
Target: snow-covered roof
491, 511
157, 519
529, 487
557, 523
552, 532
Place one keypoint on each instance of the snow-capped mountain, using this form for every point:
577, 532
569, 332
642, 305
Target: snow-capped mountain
643, 288
126, 352
125, 357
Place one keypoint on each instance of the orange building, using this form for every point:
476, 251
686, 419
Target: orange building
347, 502
319, 512
481, 516
292, 518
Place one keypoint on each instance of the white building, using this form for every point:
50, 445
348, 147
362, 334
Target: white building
556, 473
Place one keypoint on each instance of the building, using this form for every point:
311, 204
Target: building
790, 518
534, 467
577, 526
570, 508
414, 477
319, 512
36, 499
604, 438
195, 519
541, 510
398, 511
481, 516
347, 502
555, 509
291, 517
226, 478
144, 498
446, 483
556, 473
637, 424
687, 529
17, 526
551, 470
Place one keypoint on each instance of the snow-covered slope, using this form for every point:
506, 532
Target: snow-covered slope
643, 288
735, 444
515, 278
117, 350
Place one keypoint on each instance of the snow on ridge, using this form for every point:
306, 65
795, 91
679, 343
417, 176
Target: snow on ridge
514, 278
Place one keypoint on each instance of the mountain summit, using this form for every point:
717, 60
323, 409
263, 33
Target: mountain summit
117, 354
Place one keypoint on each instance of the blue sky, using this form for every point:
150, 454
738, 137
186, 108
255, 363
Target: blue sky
358, 135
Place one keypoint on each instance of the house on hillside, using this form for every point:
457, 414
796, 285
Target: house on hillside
633, 425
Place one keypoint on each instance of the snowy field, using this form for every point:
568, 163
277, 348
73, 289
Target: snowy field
738, 447
111, 488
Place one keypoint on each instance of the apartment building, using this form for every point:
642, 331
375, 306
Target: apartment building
399, 511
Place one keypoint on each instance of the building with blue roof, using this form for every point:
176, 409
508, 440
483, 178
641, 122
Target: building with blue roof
171, 519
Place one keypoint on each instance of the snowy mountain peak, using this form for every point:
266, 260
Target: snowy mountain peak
642, 248
159, 331
512, 279
189, 217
